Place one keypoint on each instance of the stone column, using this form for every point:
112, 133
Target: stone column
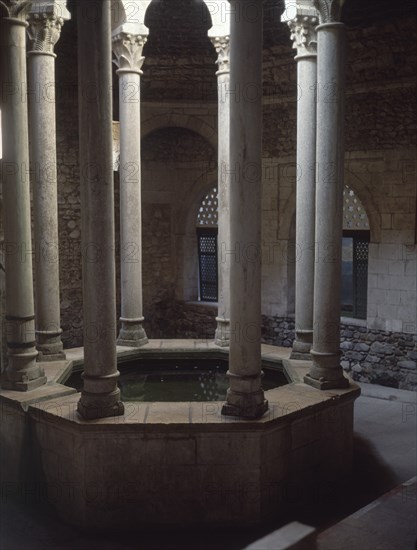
129, 60
245, 397
22, 372
222, 45
44, 30
305, 41
326, 371
3, 341
100, 396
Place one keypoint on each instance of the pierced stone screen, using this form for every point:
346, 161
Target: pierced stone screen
207, 255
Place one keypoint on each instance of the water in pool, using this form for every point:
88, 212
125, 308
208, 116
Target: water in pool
178, 380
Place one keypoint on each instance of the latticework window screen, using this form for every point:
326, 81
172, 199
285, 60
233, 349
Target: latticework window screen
207, 261
354, 215
208, 212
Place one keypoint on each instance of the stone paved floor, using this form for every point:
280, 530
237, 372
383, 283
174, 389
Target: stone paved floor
385, 456
385, 524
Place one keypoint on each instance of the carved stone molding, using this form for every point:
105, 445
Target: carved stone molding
44, 31
304, 35
329, 10
128, 49
222, 46
16, 9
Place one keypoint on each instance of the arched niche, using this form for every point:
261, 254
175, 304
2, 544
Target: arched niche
193, 123
178, 166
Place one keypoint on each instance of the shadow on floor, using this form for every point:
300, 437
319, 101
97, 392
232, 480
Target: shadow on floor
32, 525
371, 477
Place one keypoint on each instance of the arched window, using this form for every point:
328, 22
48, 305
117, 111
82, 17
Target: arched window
356, 236
207, 221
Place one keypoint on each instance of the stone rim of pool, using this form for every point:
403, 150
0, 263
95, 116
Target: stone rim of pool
181, 464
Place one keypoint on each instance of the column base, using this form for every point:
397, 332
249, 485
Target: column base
132, 334
301, 351
93, 406
326, 373
249, 406
25, 379
49, 346
302, 345
222, 336
323, 384
247, 412
28, 385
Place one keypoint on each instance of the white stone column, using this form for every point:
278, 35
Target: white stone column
45, 23
128, 50
245, 397
303, 34
222, 45
326, 371
23, 373
100, 396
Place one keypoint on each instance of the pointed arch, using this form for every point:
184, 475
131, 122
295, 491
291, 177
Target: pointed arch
361, 190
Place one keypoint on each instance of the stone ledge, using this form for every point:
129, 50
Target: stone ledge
287, 403
44, 393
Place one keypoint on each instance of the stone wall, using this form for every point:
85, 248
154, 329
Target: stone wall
380, 357
69, 202
368, 355
176, 319
278, 331
386, 183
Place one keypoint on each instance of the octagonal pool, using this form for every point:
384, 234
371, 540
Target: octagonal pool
174, 380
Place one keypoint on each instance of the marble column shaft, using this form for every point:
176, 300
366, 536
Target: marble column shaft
22, 373
222, 45
326, 371
100, 396
44, 31
245, 397
128, 50
305, 41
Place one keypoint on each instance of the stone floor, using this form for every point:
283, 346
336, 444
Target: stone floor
385, 524
385, 457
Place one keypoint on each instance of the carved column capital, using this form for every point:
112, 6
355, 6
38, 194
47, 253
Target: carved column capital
304, 35
15, 9
329, 10
44, 31
128, 49
222, 46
